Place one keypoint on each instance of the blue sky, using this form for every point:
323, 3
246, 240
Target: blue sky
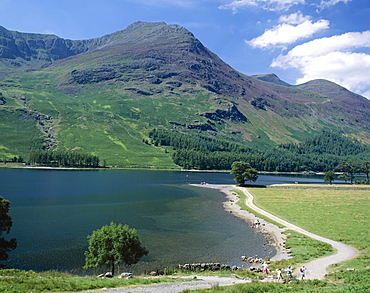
299, 40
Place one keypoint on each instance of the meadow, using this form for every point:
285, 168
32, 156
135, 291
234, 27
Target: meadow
340, 215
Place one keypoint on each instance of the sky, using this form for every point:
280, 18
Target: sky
298, 40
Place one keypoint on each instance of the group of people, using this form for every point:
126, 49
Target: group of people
288, 270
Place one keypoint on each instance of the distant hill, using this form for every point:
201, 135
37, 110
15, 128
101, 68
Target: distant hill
103, 96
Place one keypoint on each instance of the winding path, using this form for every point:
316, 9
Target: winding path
316, 269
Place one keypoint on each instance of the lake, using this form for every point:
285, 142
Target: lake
54, 211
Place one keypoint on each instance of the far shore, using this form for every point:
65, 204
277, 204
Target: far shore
22, 165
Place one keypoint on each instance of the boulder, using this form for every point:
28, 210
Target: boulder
126, 276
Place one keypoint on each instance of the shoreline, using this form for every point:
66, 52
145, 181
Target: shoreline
273, 233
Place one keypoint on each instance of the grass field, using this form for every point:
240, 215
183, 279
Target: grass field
17, 281
341, 215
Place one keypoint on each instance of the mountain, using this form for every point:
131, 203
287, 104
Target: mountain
104, 96
273, 78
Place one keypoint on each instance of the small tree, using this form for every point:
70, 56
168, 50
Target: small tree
366, 169
114, 244
5, 226
349, 169
243, 172
329, 176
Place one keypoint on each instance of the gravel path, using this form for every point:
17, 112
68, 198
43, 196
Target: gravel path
316, 269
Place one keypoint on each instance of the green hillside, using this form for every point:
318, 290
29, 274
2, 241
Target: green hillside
104, 96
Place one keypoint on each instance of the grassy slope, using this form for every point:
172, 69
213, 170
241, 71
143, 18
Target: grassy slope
110, 119
105, 123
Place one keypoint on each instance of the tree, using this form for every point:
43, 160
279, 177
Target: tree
243, 172
113, 244
349, 169
5, 226
329, 176
366, 169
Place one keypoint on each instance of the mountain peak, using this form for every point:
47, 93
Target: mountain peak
271, 77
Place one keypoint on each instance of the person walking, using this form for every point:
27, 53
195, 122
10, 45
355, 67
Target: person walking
302, 271
265, 269
289, 273
279, 276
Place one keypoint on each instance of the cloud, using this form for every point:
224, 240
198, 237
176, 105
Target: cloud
295, 27
295, 18
329, 3
265, 4
337, 58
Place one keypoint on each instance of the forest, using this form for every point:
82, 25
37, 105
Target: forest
321, 153
59, 158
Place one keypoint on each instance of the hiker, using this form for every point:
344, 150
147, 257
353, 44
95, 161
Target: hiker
265, 270
302, 271
289, 273
279, 275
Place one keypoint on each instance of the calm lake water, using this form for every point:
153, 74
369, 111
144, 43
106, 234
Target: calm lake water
54, 211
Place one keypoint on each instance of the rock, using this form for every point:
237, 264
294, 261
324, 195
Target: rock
108, 275
126, 276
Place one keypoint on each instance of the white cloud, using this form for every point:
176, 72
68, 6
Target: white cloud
296, 27
265, 4
338, 59
366, 94
329, 3
295, 18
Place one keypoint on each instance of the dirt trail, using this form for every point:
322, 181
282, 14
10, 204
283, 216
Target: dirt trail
316, 269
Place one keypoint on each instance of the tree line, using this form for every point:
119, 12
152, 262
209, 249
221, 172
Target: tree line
61, 158
348, 171
321, 153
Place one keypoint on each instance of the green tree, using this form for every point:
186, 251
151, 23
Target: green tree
329, 176
5, 226
243, 172
113, 244
366, 169
349, 169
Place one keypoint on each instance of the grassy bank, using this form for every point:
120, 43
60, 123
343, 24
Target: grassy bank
355, 282
302, 248
17, 281
340, 215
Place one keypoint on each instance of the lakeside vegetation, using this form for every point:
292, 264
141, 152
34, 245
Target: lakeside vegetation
18, 281
59, 158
